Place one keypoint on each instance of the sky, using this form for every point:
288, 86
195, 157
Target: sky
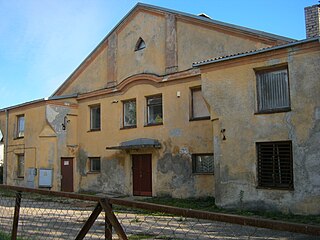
43, 41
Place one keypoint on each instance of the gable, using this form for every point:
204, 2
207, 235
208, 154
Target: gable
172, 40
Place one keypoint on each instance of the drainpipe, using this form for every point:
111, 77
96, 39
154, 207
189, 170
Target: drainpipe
5, 162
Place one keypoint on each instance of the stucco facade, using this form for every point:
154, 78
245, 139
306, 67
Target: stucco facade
79, 139
230, 88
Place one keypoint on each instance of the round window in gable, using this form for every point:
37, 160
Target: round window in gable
140, 44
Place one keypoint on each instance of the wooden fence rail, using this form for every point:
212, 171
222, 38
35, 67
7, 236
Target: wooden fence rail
111, 221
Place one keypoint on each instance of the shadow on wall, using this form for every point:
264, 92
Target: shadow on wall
1, 174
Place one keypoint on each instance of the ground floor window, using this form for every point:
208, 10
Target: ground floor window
95, 164
203, 163
275, 168
20, 169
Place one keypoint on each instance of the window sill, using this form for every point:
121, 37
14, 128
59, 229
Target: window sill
199, 118
275, 188
211, 173
94, 130
93, 172
17, 138
153, 124
273, 111
129, 127
20, 178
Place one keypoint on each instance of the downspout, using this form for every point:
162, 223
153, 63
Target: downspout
5, 163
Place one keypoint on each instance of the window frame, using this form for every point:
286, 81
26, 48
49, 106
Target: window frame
194, 164
273, 184
19, 132
91, 108
258, 73
124, 126
20, 172
150, 105
91, 165
140, 45
192, 117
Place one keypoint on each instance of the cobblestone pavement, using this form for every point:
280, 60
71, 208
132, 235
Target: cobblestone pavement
64, 219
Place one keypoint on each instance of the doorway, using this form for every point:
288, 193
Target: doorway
142, 174
67, 174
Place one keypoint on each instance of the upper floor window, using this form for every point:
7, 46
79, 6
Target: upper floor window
140, 44
154, 110
273, 90
203, 163
20, 168
95, 118
275, 167
199, 108
20, 126
95, 164
129, 114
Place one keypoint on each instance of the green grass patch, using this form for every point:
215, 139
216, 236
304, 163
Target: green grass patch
6, 236
208, 204
140, 236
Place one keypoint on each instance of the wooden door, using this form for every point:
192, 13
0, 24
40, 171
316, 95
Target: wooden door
142, 175
67, 174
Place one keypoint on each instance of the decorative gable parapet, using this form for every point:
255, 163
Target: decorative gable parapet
171, 44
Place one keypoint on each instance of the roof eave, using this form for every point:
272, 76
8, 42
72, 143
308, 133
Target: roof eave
222, 59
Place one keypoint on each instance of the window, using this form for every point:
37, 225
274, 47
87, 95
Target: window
95, 118
129, 114
20, 126
154, 113
20, 170
95, 164
273, 90
203, 163
140, 44
275, 168
199, 109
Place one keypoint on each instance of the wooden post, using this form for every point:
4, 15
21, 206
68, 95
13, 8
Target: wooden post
108, 227
88, 224
113, 219
16, 217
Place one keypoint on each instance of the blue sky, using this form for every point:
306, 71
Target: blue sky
43, 41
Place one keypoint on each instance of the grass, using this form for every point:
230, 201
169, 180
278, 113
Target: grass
140, 236
208, 204
148, 236
6, 236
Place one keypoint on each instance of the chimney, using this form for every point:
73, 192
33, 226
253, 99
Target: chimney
312, 16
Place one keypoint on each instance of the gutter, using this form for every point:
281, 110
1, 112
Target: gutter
6, 148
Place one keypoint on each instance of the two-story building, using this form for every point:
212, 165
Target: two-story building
132, 119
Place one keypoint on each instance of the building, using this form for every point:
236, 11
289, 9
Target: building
132, 120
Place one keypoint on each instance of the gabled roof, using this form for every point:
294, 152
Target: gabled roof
230, 27
253, 52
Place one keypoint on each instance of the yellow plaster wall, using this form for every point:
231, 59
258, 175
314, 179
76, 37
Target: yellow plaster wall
92, 77
151, 28
44, 142
176, 133
197, 43
230, 89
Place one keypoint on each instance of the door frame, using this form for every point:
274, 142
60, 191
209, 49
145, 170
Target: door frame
142, 193
62, 159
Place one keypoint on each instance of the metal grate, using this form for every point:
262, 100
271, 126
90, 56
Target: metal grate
275, 164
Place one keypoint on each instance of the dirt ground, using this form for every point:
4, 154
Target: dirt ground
63, 219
